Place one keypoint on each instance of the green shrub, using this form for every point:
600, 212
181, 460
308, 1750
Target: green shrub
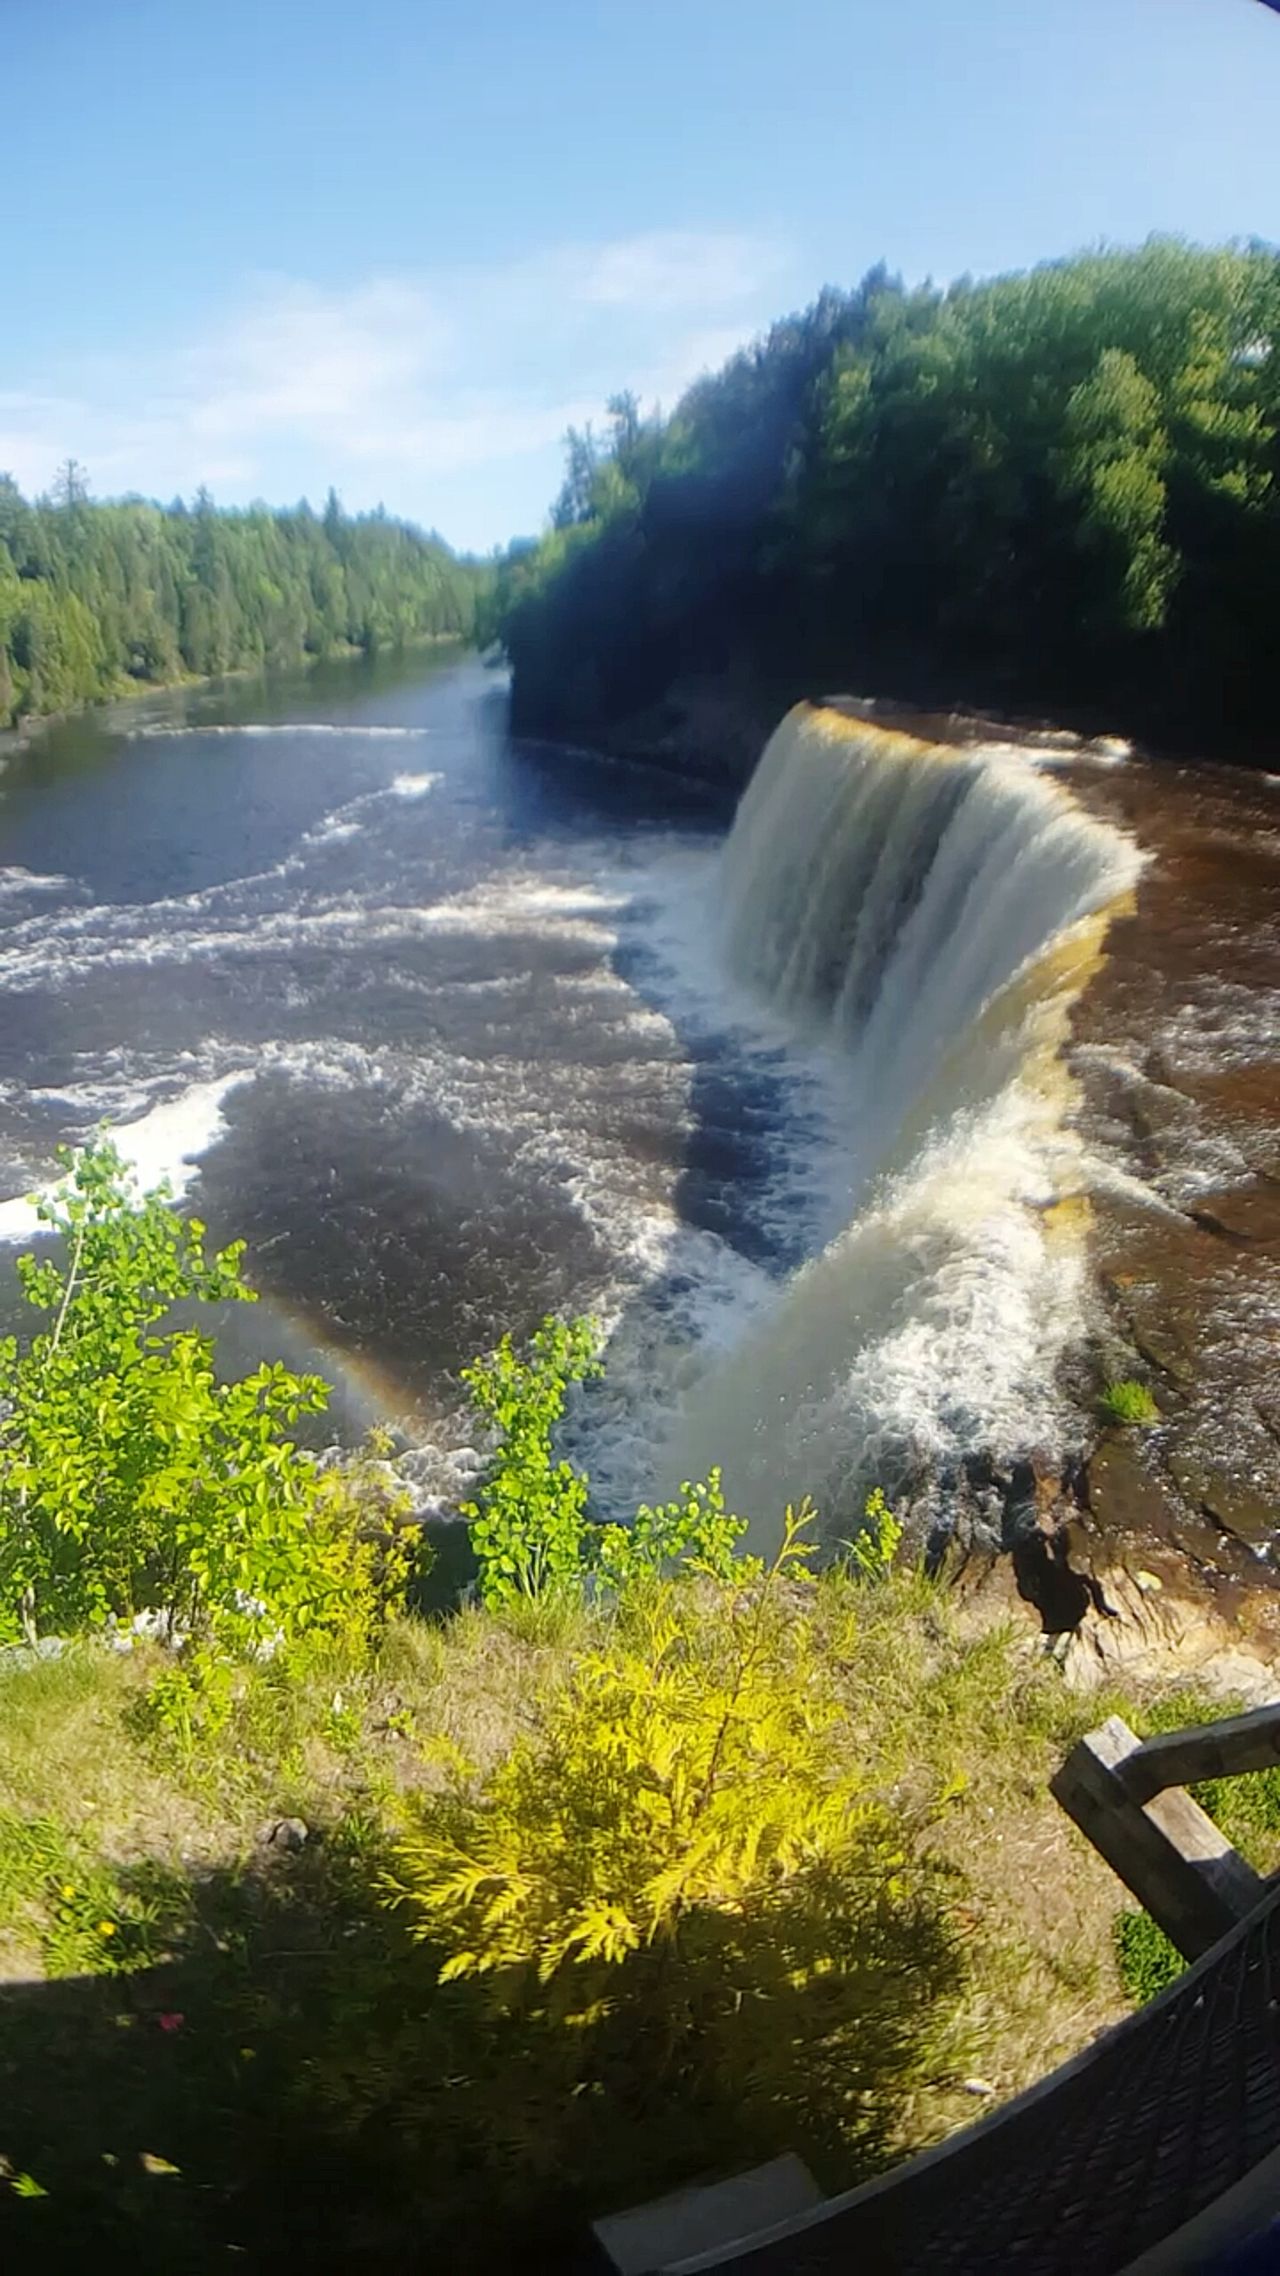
528, 1520
695, 1531
873, 1550
132, 1479
684, 1873
530, 1530
1129, 1403
1148, 1962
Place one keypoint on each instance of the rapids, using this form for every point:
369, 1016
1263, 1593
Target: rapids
436, 1021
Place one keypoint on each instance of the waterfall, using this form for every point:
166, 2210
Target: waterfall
933, 910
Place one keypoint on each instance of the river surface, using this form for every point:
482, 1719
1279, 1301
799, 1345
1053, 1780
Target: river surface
436, 1020
875, 1143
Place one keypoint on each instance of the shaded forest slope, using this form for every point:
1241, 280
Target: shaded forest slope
1052, 494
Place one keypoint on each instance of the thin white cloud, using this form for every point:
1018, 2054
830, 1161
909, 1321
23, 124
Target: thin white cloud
428, 391
299, 357
676, 269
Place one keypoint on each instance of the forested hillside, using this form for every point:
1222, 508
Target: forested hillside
98, 598
1054, 492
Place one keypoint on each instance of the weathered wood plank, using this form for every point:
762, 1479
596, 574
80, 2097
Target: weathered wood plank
1208, 1750
1166, 1850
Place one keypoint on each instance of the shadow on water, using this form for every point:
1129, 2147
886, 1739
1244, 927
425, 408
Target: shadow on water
739, 1118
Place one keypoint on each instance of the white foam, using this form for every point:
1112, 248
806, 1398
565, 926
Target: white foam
164, 1146
1060, 750
900, 897
18, 881
333, 830
928, 1329
415, 785
932, 1315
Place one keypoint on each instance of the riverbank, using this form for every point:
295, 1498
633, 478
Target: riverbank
714, 724
96, 595
127, 695
217, 2036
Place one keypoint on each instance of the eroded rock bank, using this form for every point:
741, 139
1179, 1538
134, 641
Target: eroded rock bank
1176, 1048
1161, 1550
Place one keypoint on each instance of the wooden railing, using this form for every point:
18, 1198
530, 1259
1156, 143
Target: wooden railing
1153, 2151
1129, 1796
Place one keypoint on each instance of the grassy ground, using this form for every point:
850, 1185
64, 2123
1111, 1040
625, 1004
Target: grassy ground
216, 2049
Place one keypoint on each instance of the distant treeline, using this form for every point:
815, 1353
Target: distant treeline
98, 598
1055, 493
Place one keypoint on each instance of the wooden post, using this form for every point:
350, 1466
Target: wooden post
1165, 1849
1211, 1750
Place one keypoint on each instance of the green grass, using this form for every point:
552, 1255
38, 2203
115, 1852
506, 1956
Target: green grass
1247, 1808
1130, 1404
86, 1917
214, 2050
1147, 1961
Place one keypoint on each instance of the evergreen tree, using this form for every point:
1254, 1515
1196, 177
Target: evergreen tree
97, 597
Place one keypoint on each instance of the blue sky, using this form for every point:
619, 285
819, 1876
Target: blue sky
400, 246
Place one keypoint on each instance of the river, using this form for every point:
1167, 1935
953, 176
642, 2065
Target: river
878, 1125
436, 1020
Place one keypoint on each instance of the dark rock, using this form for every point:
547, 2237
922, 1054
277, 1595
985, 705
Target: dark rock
1169, 1344
1231, 1502
1125, 1493
1248, 1215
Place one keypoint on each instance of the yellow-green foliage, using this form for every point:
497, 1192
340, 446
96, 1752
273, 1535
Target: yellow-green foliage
469, 2125
685, 1860
875, 1547
673, 1888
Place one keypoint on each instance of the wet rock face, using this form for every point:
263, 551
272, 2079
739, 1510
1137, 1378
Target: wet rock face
1176, 1051
1123, 1603
1020, 1519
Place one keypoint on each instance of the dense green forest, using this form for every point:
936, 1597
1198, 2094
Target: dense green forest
96, 599
1050, 493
